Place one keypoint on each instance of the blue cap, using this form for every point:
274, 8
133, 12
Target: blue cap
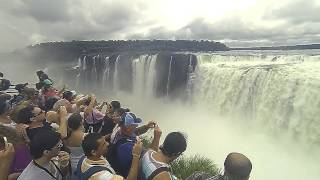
129, 118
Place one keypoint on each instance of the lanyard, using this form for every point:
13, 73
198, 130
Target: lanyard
47, 171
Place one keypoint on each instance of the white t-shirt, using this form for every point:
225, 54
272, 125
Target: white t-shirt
102, 175
32, 172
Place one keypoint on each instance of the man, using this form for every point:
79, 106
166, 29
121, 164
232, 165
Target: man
128, 127
35, 119
236, 167
44, 147
155, 164
67, 101
94, 166
41, 76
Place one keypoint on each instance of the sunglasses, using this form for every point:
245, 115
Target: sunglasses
58, 146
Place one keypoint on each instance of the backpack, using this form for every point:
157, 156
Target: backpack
78, 175
112, 156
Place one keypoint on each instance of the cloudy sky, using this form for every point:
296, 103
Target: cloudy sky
238, 23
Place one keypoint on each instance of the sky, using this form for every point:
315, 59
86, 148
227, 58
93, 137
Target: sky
237, 23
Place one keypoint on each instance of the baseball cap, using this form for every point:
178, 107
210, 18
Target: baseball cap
129, 118
47, 82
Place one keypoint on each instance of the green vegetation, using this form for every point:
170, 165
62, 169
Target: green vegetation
184, 166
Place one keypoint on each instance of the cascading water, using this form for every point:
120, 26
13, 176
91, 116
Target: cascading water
190, 80
106, 72
116, 76
94, 69
169, 76
143, 74
79, 66
138, 76
282, 92
151, 76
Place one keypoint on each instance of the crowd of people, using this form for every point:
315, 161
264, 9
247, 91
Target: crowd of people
61, 135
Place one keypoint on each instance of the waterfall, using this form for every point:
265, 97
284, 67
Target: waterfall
143, 75
106, 72
138, 78
115, 75
279, 94
79, 68
169, 76
190, 80
84, 66
94, 69
151, 76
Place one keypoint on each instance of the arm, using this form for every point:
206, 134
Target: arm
109, 111
143, 129
101, 106
156, 139
136, 152
64, 160
89, 109
6, 158
63, 127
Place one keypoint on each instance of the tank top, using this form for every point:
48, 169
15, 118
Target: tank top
149, 165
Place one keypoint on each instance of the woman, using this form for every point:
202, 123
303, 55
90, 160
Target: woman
21, 157
93, 116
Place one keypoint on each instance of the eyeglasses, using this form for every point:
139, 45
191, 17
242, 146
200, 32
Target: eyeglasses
41, 112
58, 146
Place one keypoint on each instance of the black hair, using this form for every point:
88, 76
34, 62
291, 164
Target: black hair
1, 74
25, 114
20, 87
121, 111
75, 121
174, 144
4, 106
50, 103
43, 140
90, 143
67, 95
87, 101
39, 72
115, 104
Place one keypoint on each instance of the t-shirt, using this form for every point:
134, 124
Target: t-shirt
33, 172
102, 175
33, 131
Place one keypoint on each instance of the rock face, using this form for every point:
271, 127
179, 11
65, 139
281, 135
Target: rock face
159, 75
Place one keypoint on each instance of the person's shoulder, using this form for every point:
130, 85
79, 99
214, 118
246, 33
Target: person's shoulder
102, 175
31, 172
165, 175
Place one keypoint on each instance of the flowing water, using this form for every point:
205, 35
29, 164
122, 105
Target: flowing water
264, 104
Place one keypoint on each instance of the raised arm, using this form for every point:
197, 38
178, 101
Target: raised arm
136, 152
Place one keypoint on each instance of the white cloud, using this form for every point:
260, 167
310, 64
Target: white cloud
245, 22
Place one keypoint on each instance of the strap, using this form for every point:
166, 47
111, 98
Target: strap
91, 171
78, 171
47, 171
158, 171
